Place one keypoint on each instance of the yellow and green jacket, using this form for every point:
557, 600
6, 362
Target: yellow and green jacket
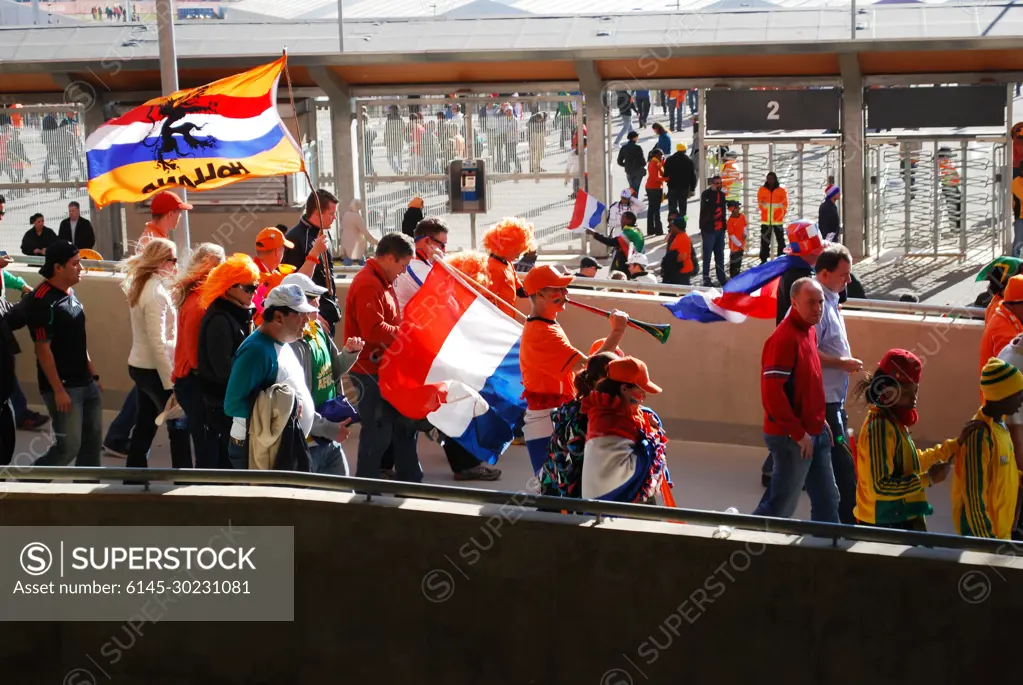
985, 483
891, 473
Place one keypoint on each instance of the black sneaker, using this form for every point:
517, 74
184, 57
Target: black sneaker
33, 421
479, 472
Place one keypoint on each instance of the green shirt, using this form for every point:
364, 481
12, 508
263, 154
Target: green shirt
323, 389
13, 282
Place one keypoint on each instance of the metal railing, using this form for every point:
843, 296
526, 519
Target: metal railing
866, 305
369, 488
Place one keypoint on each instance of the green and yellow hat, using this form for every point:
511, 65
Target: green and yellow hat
999, 380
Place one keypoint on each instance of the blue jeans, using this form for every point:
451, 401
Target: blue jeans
626, 127
78, 433
189, 393
18, 401
714, 242
238, 453
348, 261
1017, 237
635, 180
791, 471
842, 462
119, 433
383, 427
328, 459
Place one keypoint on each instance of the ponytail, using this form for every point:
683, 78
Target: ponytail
595, 372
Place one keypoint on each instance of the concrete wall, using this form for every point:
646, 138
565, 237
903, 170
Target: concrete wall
407, 591
710, 372
235, 229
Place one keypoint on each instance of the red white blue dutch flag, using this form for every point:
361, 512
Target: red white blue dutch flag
587, 213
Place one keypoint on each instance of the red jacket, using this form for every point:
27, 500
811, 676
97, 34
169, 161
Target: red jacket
792, 386
371, 313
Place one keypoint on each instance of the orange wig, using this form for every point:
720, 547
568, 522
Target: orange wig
509, 238
238, 268
472, 264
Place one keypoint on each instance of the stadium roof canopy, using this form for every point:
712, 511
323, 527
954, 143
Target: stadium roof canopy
891, 39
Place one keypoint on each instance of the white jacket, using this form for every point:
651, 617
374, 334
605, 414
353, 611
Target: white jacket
154, 331
355, 236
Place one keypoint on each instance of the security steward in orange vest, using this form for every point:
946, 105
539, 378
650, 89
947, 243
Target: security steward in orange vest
774, 204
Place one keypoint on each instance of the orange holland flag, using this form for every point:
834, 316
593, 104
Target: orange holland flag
200, 138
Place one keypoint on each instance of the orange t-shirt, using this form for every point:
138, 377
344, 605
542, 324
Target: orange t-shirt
737, 233
546, 358
655, 174
186, 352
683, 245
998, 332
504, 284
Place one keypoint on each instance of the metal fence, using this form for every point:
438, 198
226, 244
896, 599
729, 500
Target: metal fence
936, 196
42, 167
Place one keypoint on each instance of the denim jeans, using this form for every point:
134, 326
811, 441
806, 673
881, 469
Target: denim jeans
791, 471
18, 402
383, 427
714, 242
238, 453
1017, 237
635, 180
842, 462
626, 127
327, 458
348, 261
677, 202
671, 106
119, 433
152, 398
189, 393
77, 433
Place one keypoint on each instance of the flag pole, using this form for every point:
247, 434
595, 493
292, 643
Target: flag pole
328, 269
477, 287
169, 84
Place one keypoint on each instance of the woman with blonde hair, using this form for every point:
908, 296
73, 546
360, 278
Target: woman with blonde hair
150, 363
187, 389
227, 297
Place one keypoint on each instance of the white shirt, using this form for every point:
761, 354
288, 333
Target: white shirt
290, 372
1013, 354
614, 216
74, 225
833, 340
154, 330
409, 282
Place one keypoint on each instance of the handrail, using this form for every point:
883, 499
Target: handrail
867, 305
369, 487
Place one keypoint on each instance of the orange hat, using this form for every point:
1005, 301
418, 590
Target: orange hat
166, 201
597, 344
416, 202
272, 238
1013, 293
631, 370
804, 238
546, 276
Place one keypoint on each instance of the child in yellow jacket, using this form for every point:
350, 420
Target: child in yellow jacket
986, 482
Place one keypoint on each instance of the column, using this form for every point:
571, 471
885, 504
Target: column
853, 194
341, 117
592, 88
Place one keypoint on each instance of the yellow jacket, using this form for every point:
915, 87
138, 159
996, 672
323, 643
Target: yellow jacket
985, 484
891, 473
774, 204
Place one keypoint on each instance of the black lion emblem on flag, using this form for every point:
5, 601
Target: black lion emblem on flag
173, 131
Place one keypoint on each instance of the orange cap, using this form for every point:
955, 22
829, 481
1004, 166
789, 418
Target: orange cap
597, 344
1013, 293
271, 239
416, 202
165, 202
546, 276
631, 370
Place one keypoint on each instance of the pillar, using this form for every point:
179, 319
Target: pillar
854, 195
341, 116
592, 88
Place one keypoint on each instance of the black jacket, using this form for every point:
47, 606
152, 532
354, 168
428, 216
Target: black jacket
631, 157
303, 236
827, 221
413, 215
30, 241
625, 104
85, 237
681, 173
224, 327
712, 204
8, 348
785, 286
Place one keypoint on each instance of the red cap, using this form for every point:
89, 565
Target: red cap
902, 365
804, 238
546, 276
597, 344
271, 239
631, 370
165, 201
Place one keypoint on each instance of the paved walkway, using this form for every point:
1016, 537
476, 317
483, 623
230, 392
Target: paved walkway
706, 476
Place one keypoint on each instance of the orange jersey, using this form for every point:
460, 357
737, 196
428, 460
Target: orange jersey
683, 245
547, 358
737, 233
999, 331
504, 283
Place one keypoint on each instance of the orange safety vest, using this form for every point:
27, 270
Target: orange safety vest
730, 175
774, 204
948, 174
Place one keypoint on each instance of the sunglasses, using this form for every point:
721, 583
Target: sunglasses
248, 288
172, 260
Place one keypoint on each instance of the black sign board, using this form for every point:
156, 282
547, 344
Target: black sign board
935, 107
773, 110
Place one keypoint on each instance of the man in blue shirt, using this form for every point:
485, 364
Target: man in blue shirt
834, 269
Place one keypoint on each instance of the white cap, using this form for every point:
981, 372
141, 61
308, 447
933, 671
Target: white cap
289, 297
627, 194
638, 258
305, 283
